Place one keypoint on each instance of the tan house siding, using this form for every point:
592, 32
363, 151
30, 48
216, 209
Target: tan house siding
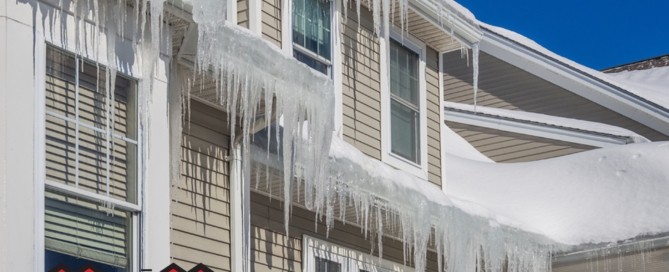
271, 21
361, 83
272, 250
433, 116
647, 261
503, 146
243, 13
201, 218
502, 85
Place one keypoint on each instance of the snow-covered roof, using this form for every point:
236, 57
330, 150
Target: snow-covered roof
655, 94
598, 196
548, 120
455, 145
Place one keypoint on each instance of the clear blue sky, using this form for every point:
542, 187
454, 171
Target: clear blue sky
596, 33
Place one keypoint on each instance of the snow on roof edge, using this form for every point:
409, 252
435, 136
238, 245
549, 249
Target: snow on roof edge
662, 104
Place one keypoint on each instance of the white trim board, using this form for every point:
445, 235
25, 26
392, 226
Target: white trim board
576, 81
532, 129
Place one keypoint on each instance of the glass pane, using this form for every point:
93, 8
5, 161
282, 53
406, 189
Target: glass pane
316, 65
324, 265
404, 72
404, 132
122, 174
311, 26
78, 232
92, 161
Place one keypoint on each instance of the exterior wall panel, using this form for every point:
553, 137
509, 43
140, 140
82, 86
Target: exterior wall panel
503, 146
201, 207
243, 13
433, 117
502, 85
271, 21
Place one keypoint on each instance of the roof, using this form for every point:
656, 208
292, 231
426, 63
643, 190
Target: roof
659, 61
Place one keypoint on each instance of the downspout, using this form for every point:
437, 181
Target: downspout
240, 205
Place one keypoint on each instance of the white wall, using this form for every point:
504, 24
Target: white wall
19, 21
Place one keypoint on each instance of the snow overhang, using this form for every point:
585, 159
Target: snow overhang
576, 80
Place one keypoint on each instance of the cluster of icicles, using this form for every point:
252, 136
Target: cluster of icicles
251, 74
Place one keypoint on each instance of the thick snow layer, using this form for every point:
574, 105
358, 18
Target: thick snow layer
656, 93
458, 146
550, 120
599, 196
653, 82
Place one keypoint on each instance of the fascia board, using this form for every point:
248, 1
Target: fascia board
531, 129
463, 30
578, 82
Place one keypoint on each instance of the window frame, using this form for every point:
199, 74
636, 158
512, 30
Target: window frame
350, 260
290, 46
43, 184
418, 169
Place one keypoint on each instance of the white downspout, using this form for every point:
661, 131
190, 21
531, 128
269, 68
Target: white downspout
240, 205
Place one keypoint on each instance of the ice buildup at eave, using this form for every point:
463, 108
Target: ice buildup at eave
600, 196
387, 201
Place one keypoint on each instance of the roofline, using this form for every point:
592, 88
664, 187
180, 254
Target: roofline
565, 134
637, 245
635, 62
463, 30
555, 70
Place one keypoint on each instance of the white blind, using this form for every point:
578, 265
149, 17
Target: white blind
87, 230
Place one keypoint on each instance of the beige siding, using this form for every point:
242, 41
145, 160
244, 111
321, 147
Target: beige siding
502, 146
201, 218
271, 21
648, 261
272, 250
243, 13
502, 85
361, 83
433, 116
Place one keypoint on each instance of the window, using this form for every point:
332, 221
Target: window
91, 165
311, 33
322, 256
405, 107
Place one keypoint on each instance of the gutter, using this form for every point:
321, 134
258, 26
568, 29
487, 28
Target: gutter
543, 130
463, 30
643, 246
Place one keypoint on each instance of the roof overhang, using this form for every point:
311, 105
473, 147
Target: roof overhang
577, 81
463, 30
534, 129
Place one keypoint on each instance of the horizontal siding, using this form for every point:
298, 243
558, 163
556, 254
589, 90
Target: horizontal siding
201, 207
361, 83
503, 146
243, 13
271, 21
272, 250
433, 118
647, 261
502, 85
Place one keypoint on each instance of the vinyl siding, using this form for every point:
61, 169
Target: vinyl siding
243, 13
361, 83
271, 21
272, 250
201, 218
433, 117
648, 261
503, 146
502, 85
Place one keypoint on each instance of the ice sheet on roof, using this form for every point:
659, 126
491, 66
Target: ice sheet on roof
599, 196
550, 120
656, 93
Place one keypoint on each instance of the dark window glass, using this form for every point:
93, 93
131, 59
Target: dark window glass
316, 65
324, 265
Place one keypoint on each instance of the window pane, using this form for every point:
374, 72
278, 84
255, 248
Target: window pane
404, 132
311, 26
92, 133
404, 72
316, 65
324, 265
77, 232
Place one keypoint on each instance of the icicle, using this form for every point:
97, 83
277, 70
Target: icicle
475, 49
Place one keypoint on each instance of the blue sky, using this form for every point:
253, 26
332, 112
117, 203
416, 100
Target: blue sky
596, 33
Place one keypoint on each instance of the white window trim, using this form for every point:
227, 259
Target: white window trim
411, 42
335, 63
350, 260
